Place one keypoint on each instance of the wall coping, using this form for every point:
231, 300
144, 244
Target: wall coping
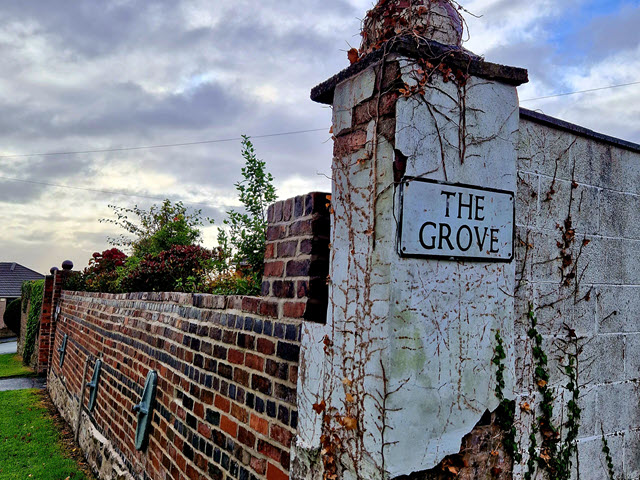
558, 124
247, 304
412, 47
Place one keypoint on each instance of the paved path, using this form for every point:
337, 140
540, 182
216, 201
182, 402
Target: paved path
21, 383
8, 347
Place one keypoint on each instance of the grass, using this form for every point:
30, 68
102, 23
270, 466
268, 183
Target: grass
30, 442
11, 366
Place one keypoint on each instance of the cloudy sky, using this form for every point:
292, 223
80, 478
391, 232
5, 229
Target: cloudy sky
81, 76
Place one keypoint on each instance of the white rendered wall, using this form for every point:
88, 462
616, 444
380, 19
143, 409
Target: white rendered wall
412, 339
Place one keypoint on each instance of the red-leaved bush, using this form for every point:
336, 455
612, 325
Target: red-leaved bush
101, 275
181, 268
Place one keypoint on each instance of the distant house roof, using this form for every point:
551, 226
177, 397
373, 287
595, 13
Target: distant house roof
11, 277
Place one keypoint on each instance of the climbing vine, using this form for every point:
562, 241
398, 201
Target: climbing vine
607, 455
557, 451
35, 296
506, 410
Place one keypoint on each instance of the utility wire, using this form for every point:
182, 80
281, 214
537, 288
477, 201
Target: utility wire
108, 192
234, 139
168, 145
581, 91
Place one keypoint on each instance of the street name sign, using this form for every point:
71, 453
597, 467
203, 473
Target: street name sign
457, 222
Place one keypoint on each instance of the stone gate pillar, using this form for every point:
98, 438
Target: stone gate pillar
422, 273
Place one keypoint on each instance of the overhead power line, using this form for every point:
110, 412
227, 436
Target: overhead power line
108, 192
234, 139
167, 145
581, 91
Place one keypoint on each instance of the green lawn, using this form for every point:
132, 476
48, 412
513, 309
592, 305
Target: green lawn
11, 366
29, 441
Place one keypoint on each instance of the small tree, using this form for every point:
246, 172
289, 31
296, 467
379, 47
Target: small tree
157, 229
245, 241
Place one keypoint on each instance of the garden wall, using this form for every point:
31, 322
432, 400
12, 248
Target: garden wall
578, 266
227, 366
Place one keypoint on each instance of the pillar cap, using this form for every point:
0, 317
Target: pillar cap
412, 47
437, 20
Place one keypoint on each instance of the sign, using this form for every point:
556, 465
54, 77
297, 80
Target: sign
458, 222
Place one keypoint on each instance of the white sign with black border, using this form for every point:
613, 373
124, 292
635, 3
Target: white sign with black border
455, 221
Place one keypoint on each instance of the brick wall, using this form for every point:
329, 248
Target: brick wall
227, 366
44, 341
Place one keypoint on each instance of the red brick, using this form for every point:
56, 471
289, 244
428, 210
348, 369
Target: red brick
287, 209
229, 426
275, 232
281, 435
204, 430
269, 309
301, 227
261, 384
294, 309
274, 473
350, 143
250, 304
269, 251
302, 288
206, 396
259, 465
283, 289
246, 437
273, 269
236, 356
254, 361
269, 450
298, 268
266, 347
368, 111
192, 473
259, 425
241, 377
287, 249
201, 462
240, 413
222, 403
182, 462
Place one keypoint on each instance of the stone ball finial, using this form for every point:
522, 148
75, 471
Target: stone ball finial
437, 20
53, 270
67, 265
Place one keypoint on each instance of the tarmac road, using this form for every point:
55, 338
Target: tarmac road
9, 346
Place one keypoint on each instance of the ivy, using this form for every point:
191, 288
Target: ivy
607, 455
35, 292
555, 456
570, 444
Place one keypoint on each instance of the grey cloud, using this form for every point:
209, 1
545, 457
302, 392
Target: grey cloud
13, 192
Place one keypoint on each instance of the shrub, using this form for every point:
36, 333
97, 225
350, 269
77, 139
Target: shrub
235, 283
102, 274
75, 281
181, 268
11, 316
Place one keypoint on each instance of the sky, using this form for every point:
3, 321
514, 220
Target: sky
81, 76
